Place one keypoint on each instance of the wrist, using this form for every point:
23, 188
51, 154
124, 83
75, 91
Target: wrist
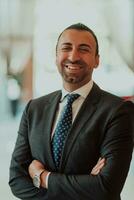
37, 178
43, 178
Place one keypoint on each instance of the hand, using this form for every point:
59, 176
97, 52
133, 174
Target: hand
35, 168
97, 168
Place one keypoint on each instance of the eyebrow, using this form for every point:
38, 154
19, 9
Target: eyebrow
66, 43
81, 45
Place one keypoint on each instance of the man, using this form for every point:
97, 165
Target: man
101, 130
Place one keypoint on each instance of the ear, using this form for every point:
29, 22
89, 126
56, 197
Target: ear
97, 60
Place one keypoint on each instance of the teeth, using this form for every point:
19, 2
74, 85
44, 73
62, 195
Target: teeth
72, 67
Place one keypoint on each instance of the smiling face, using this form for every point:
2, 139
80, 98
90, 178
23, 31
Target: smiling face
76, 58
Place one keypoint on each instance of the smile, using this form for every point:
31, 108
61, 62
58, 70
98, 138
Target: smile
73, 67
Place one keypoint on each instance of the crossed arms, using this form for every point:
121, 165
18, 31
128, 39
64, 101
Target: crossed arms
105, 180
36, 167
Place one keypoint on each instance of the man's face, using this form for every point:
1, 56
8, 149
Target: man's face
76, 57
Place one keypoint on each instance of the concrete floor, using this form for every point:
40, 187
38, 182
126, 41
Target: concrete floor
8, 133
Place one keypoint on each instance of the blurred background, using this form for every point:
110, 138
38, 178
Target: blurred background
28, 34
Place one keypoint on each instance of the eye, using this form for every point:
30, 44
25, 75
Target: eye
84, 49
66, 48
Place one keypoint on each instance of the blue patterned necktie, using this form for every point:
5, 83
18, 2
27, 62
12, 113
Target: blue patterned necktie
63, 126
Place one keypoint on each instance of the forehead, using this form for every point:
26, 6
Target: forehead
77, 37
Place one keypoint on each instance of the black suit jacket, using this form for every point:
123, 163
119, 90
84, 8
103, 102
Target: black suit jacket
102, 128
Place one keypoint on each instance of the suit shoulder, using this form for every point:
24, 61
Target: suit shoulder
114, 102
39, 102
111, 97
105, 96
47, 97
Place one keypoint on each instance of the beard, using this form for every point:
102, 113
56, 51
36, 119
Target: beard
84, 73
80, 78
72, 78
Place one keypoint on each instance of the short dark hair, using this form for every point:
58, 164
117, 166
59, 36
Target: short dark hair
81, 27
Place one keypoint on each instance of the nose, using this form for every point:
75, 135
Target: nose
74, 55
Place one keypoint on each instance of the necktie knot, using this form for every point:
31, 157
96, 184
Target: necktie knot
71, 98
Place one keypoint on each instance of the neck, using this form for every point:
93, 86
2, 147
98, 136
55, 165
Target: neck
70, 87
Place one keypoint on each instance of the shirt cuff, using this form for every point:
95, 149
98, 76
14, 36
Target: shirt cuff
47, 176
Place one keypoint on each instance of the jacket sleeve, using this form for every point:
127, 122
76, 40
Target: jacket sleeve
20, 181
117, 147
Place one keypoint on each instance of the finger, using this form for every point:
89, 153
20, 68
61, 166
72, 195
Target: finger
99, 165
97, 168
101, 160
94, 173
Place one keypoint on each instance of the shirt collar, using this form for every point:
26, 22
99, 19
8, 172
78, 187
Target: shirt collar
82, 91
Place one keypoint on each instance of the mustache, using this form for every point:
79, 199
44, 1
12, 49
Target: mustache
77, 62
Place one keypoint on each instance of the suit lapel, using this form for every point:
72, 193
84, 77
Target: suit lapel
50, 112
91, 102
